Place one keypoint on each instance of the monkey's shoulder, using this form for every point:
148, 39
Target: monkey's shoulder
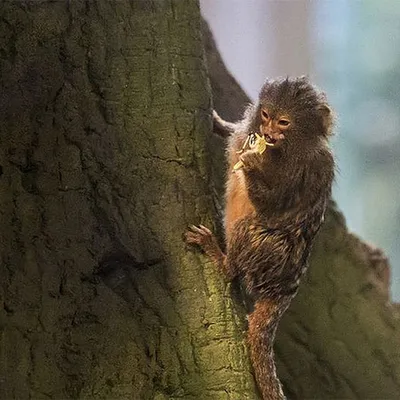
318, 174
322, 160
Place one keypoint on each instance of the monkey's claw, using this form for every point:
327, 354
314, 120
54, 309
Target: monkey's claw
199, 235
204, 238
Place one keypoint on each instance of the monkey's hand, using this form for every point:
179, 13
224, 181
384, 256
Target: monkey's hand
252, 161
254, 170
222, 127
204, 238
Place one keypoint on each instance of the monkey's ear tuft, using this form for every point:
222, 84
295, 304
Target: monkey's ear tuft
327, 116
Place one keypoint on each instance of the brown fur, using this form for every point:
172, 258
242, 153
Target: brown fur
274, 208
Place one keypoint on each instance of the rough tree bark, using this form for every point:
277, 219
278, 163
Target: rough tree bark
104, 138
104, 112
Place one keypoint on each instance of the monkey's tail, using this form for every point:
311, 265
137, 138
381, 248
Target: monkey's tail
263, 322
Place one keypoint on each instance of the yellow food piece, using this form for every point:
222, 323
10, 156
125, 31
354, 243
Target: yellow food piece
261, 144
238, 165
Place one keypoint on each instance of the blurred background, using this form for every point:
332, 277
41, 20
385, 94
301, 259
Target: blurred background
351, 49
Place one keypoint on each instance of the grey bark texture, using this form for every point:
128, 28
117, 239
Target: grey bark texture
105, 119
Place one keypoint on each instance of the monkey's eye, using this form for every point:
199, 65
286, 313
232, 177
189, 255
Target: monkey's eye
264, 114
252, 140
283, 122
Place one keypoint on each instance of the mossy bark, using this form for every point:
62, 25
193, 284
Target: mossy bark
104, 118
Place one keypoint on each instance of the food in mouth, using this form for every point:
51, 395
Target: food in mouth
270, 141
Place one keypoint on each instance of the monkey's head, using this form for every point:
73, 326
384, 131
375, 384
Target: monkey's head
292, 113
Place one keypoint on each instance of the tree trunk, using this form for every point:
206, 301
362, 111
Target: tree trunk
104, 113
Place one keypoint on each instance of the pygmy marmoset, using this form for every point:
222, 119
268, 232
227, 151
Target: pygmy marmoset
276, 196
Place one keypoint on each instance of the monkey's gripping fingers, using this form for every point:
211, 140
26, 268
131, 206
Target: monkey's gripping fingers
203, 237
251, 160
222, 127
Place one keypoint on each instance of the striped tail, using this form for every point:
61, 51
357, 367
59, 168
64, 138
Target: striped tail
263, 322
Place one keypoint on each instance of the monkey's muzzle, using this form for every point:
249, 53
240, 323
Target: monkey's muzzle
270, 140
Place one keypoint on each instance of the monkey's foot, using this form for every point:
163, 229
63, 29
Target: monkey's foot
204, 238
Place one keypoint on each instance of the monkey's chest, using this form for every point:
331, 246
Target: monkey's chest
238, 204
